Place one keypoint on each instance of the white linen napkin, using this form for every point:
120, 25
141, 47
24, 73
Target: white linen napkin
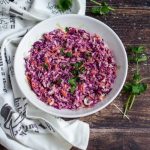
22, 126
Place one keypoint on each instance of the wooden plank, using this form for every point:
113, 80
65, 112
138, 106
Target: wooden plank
103, 140
123, 3
119, 139
132, 25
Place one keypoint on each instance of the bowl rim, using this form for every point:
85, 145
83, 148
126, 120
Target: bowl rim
96, 109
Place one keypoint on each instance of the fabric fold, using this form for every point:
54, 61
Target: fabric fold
66, 129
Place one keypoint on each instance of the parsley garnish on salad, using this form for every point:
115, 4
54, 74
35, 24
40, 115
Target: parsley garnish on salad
77, 69
73, 84
45, 66
67, 54
66, 29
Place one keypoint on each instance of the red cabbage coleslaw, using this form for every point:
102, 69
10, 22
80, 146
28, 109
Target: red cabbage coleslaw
70, 69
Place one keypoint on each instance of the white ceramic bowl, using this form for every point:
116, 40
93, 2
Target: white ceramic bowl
84, 22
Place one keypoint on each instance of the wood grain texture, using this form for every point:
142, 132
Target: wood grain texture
109, 131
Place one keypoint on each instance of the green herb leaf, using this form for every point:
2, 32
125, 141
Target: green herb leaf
142, 87
102, 9
75, 72
105, 8
68, 54
138, 54
77, 79
78, 64
127, 87
142, 58
63, 5
132, 59
73, 84
138, 50
62, 50
66, 29
95, 10
77, 69
135, 89
139, 88
136, 77
72, 89
82, 69
45, 66
72, 81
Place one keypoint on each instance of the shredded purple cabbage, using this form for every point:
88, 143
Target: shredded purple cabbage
52, 64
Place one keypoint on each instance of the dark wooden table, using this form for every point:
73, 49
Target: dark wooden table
109, 131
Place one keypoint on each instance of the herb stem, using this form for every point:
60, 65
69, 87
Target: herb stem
96, 2
127, 105
132, 101
137, 66
144, 79
121, 111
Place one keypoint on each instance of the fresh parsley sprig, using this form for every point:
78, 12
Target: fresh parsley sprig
73, 83
102, 8
63, 5
45, 66
136, 86
67, 54
78, 68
